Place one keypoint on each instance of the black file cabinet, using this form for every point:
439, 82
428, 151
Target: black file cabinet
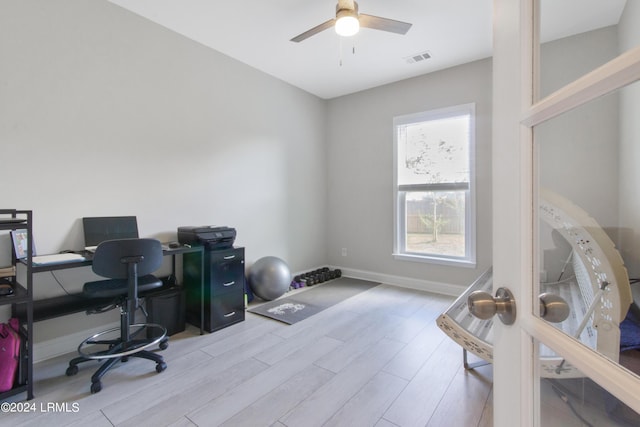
223, 287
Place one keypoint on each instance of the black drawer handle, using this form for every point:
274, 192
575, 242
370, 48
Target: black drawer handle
230, 257
228, 284
233, 313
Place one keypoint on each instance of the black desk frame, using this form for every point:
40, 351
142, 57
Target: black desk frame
50, 308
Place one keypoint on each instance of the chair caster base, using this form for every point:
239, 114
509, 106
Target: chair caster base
164, 344
105, 345
161, 367
72, 370
96, 387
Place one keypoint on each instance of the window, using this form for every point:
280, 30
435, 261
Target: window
434, 186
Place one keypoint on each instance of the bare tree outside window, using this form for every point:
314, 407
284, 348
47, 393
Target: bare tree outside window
433, 173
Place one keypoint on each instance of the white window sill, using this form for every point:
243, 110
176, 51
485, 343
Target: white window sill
435, 260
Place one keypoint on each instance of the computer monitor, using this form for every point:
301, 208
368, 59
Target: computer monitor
101, 228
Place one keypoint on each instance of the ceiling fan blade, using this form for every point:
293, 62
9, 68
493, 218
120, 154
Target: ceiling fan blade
384, 24
315, 30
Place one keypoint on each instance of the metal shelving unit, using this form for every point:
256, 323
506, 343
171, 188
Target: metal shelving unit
15, 219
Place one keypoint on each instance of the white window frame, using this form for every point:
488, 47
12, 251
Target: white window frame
399, 196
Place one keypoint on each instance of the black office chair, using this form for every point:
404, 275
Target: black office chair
128, 263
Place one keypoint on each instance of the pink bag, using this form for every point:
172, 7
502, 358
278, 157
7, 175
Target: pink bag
9, 353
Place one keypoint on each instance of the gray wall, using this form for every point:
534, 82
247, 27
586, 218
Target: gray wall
578, 155
578, 150
135, 119
105, 113
629, 193
360, 172
590, 155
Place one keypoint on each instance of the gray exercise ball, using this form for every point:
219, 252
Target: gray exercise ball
269, 278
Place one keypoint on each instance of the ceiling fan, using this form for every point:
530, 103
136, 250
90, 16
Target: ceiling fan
347, 22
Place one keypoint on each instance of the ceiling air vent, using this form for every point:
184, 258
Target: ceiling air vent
418, 57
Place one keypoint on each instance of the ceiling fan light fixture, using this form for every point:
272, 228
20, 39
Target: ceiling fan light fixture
347, 23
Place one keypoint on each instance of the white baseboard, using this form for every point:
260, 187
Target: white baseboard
404, 282
65, 344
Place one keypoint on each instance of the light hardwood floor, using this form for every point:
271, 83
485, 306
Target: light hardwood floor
376, 359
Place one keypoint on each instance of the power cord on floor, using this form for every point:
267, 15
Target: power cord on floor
563, 395
59, 283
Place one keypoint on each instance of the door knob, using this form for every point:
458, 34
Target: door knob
553, 308
482, 305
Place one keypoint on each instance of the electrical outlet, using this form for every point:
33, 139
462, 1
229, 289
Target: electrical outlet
344, 251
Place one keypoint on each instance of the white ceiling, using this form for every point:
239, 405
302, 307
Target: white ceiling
257, 32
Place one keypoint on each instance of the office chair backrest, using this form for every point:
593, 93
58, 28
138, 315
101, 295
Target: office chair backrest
108, 258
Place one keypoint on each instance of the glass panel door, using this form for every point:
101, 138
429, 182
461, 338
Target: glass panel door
586, 253
586, 230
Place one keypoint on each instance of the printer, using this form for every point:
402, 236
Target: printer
210, 236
